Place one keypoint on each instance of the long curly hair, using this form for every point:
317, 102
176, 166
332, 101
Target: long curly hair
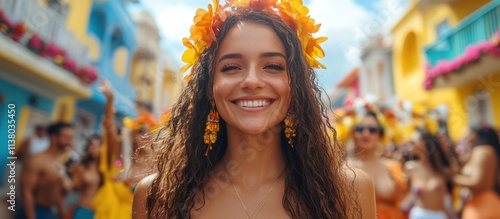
316, 182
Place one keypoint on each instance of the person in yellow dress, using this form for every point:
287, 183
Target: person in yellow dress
114, 198
108, 197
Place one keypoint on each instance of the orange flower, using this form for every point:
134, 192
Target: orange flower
203, 33
305, 27
207, 24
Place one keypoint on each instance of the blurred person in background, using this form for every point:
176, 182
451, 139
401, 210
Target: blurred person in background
428, 171
449, 150
43, 179
387, 174
137, 151
113, 199
87, 178
481, 174
35, 144
140, 157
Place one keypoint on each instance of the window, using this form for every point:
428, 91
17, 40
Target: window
479, 108
410, 59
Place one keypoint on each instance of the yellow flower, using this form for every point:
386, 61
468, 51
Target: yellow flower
207, 24
305, 27
202, 34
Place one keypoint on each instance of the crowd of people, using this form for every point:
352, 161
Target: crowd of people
250, 137
103, 187
427, 176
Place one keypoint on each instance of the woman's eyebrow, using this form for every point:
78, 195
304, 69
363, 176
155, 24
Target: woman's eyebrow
271, 54
230, 56
262, 55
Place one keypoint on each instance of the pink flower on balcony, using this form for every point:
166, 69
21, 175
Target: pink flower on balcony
473, 53
70, 65
428, 84
35, 44
492, 49
50, 51
88, 74
5, 23
92, 74
19, 30
441, 68
461, 61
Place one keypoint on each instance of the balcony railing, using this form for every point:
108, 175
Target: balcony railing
477, 27
48, 23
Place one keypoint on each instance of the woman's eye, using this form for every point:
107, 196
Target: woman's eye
229, 68
275, 67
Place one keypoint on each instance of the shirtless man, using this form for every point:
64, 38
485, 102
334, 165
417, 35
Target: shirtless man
43, 182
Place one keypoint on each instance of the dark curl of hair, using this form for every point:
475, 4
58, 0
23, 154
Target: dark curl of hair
316, 182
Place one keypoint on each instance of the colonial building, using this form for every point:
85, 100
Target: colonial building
445, 53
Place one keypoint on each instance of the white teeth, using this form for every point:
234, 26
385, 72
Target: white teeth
253, 103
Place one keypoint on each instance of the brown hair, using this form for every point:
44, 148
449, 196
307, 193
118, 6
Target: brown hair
316, 184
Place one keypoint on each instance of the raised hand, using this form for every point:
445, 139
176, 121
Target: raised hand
105, 88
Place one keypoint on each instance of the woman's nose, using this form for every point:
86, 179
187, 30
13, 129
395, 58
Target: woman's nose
252, 79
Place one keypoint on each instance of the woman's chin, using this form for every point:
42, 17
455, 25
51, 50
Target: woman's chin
255, 129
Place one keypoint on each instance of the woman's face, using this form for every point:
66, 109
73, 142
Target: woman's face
418, 144
95, 147
367, 133
251, 85
470, 138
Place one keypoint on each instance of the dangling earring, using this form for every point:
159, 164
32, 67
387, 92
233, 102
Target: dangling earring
290, 131
211, 128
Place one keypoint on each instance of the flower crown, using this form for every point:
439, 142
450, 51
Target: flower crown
208, 23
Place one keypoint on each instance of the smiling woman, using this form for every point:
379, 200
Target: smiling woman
264, 151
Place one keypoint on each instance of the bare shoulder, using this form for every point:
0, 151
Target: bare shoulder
484, 157
483, 151
140, 196
364, 188
358, 176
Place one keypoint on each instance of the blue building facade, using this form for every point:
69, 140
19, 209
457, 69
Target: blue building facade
112, 25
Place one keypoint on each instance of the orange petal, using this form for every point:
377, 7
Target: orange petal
188, 76
186, 67
187, 43
321, 39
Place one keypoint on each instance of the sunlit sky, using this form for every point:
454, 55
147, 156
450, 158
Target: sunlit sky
346, 23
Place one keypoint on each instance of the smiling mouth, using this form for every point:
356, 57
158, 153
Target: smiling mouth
253, 103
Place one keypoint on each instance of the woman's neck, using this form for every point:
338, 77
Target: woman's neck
253, 159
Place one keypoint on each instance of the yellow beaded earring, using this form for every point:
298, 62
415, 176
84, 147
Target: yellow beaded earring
211, 128
290, 131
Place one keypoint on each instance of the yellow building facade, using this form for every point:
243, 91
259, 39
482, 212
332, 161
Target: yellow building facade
428, 25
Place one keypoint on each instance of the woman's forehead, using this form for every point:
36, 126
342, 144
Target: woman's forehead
248, 36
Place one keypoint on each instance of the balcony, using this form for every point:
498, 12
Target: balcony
476, 28
32, 69
469, 48
48, 23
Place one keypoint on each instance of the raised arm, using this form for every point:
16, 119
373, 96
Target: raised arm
109, 122
29, 180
